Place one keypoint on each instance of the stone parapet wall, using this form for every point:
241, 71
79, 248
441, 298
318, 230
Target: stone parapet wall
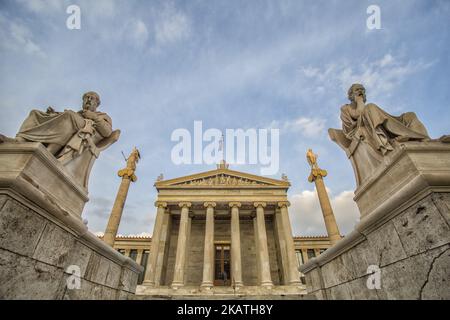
412, 252
403, 238
43, 243
36, 254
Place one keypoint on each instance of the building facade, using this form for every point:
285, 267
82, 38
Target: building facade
138, 248
218, 230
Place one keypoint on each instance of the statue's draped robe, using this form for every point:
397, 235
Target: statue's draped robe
61, 127
377, 126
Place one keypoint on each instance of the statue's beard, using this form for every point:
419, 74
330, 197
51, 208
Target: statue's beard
88, 106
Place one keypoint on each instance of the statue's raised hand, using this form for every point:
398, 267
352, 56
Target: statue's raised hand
50, 110
90, 115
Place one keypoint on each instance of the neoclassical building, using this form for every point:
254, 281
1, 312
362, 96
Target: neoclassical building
222, 230
138, 249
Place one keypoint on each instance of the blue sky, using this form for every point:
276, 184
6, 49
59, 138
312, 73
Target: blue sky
161, 65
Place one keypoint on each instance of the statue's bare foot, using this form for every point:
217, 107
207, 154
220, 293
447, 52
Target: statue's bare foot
445, 138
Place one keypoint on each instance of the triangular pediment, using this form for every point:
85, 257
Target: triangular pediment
222, 178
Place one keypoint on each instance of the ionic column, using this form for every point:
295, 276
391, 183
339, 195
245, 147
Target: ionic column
208, 256
317, 176
180, 259
294, 277
128, 176
266, 279
304, 255
139, 256
236, 264
163, 243
149, 278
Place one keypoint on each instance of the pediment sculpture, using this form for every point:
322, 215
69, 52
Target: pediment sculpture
221, 180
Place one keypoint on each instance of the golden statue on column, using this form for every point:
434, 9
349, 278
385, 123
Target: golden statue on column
127, 174
317, 176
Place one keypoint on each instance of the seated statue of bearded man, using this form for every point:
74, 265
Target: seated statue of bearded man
74, 138
376, 127
67, 132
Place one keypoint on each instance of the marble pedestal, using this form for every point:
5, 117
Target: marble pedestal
42, 237
404, 233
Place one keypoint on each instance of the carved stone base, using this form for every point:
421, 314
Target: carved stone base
404, 233
414, 170
33, 172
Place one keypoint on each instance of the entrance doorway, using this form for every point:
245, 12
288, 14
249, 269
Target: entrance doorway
222, 274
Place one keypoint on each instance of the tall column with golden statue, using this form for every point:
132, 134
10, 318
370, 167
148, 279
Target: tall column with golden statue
317, 176
128, 175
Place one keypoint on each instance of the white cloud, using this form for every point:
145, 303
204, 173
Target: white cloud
309, 127
15, 36
306, 215
42, 6
100, 8
172, 26
137, 32
380, 77
386, 60
89, 8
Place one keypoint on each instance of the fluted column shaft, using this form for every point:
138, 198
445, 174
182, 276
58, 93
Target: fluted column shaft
116, 212
294, 277
128, 175
327, 211
208, 256
236, 264
180, 259
149, 278
266, 279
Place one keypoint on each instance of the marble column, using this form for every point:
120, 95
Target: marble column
281, 245
266, 279
149, 278
180, 259
208, 255
139, 256
304, 255
163, 247
328, 215
116, 212
236, 264
317, 174
294, 277
128, 175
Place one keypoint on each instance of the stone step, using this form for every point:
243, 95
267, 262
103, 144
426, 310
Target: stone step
225, 297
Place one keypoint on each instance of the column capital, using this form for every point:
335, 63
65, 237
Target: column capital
185, 204
127, 173
209, 204
160, 204
282, 204
260, 204
317, 173
235, 204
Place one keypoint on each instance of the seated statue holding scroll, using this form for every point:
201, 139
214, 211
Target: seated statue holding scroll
375, 126
74, 138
